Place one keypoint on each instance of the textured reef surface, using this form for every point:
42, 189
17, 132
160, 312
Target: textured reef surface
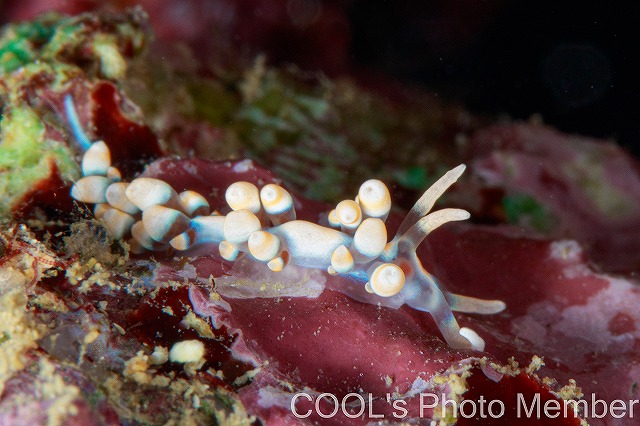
92, 333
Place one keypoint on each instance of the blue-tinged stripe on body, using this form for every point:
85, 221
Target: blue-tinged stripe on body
76, 127
310, 245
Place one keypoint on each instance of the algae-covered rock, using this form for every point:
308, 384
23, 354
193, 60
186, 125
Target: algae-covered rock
40, 62
27, 158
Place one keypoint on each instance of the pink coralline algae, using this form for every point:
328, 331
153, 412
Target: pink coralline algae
591, 188
581, 322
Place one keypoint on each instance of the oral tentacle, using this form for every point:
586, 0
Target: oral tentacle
429, 198
419, 231
430, 299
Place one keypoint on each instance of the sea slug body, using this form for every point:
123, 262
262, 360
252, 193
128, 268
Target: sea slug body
262, 225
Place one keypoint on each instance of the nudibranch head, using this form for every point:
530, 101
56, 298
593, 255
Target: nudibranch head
262, 224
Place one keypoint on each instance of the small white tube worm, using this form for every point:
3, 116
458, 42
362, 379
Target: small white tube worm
239, 225
202, 230
263, 246
374, 199
114, 174
117, 198
386, 280
118, 222
100, 209
369, 240
278, 204
428, 199
163, 223
349, 215
97, 160
91, 189
341, 261
142, 237
418, 232
146, 192
194, 204
243, 196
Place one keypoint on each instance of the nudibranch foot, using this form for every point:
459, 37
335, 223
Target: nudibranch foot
261, 227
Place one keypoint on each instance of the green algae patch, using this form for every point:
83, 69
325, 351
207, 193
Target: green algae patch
524, 210
99, 46
26, 156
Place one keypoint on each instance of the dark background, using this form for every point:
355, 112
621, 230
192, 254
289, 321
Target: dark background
575, 63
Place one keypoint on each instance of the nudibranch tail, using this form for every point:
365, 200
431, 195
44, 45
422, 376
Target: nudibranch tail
262, 225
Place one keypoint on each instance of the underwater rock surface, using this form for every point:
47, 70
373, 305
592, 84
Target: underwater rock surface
86, 327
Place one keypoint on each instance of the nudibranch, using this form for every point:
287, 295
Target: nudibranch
262, 224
